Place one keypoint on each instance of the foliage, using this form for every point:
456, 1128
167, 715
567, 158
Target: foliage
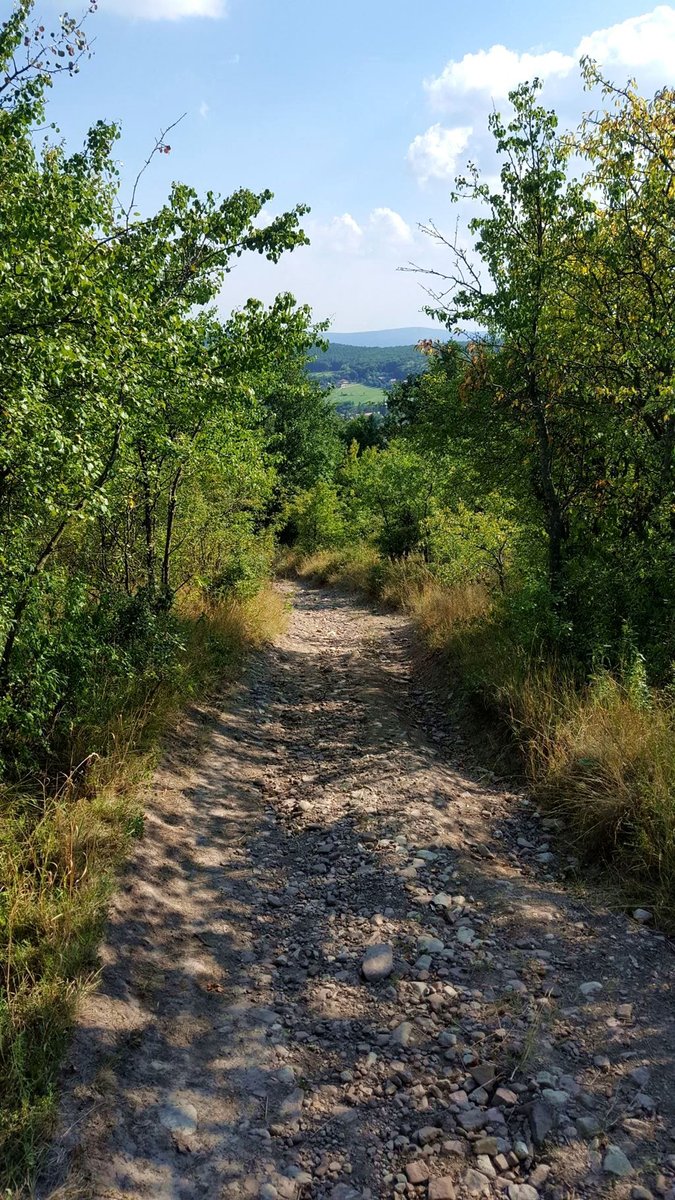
387, 495
146, 445
372, 366
145, 442
368, 431
316, 518
519, 501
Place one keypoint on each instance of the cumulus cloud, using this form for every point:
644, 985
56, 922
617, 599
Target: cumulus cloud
165, 10
380, 230
495, 71
344, 233
434, 154
646, 41
390, 225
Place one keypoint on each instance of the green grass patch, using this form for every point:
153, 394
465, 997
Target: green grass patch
358, 397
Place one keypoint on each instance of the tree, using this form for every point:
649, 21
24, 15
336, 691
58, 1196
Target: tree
509, 285
137, 441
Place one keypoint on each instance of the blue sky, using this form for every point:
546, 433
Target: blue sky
363, 109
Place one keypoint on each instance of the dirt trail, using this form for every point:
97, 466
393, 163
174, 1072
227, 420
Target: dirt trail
234, 1047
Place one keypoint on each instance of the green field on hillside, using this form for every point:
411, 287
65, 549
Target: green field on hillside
357, 398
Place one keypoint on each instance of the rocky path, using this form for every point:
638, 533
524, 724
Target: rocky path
339, 966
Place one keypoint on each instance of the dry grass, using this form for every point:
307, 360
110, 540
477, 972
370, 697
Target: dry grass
440, 612
356, 568
601, 754
61, 843
607, 764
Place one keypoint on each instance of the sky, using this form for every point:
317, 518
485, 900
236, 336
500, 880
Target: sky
363, 109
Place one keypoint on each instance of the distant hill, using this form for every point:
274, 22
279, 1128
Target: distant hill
391, 337
370, 366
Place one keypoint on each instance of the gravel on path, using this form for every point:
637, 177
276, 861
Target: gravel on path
342, 964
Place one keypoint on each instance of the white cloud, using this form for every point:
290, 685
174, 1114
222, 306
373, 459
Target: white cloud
434, 154
391, 225
495, 71
382, 232
204, 109
165, 10
645, 41
344, 233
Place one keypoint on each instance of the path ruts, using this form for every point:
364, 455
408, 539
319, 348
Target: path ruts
521, 1046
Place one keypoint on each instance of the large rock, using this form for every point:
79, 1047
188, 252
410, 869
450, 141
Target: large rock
541, 1122
442, 1188
616, 1163
378, 962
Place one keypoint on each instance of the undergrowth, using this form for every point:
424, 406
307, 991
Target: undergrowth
62, 838
599, 751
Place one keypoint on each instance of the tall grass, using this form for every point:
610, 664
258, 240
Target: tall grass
598, 752
62, 838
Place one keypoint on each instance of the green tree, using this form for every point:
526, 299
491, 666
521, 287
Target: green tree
509, 284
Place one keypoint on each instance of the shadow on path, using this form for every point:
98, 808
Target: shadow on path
233, 1046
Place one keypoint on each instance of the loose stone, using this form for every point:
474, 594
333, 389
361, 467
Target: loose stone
616, 1163
378, 962
179, 1116
442, 1188
417, 1172
591, 988
476, 1183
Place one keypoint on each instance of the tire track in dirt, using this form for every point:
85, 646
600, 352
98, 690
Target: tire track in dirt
235, 1049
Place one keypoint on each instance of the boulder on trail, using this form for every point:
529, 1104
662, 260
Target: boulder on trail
378, 962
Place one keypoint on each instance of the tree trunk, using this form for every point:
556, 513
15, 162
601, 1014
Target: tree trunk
170, 519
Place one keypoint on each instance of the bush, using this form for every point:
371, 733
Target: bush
317, 517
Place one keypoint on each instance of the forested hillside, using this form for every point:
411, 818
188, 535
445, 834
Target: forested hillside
373, 366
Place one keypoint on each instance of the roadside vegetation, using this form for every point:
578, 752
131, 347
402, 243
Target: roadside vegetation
518, 498
146, 446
